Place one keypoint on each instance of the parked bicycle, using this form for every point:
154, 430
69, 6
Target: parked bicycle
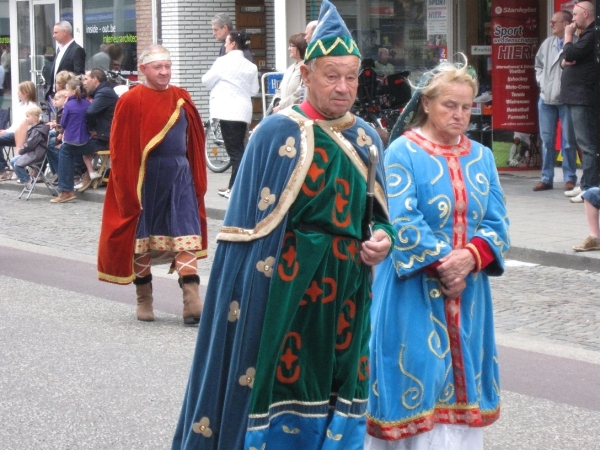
217, 158
118, 82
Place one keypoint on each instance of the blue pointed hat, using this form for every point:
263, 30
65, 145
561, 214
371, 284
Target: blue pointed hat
331, 36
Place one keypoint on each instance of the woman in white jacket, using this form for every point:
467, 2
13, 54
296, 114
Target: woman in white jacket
290, 88
232, 81
14, 136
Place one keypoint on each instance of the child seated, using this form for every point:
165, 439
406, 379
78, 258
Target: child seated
56, 130
35, 147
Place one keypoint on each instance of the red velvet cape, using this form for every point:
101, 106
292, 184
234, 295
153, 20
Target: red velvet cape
143, 116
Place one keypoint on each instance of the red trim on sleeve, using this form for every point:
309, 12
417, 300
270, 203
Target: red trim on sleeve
431, 269
481, 252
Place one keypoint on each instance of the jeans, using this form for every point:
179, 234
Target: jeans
234, 133
584, 123
21, 172
68, 154
548, 119
5, 139
53, 152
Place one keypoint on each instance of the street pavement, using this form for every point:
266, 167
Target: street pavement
78, 371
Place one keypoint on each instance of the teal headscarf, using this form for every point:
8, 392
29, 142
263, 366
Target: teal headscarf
409, 111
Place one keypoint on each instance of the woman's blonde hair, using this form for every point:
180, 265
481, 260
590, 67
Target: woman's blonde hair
62, 78
27, 88
447, 73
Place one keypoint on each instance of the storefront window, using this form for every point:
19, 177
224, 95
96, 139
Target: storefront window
4, 49
409, 35
24, 39
110, 36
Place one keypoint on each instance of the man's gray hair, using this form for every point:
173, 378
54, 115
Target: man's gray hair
65, 26
221, 20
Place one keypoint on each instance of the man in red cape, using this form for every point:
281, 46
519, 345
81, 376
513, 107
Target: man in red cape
154, 206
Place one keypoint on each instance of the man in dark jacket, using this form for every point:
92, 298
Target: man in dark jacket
578, 91
99, 115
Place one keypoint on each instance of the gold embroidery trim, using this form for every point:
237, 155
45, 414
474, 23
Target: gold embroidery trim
114, 279
289, 194
476, 255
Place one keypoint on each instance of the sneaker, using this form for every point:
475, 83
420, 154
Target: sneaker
573, 192
226, 193
78, 185
223, 189
577, 199
29, 185
590, 243
95, 175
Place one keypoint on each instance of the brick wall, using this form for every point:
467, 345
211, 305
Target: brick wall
187, 33
143, 23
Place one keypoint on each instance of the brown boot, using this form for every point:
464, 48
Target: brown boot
192, 303
143, 288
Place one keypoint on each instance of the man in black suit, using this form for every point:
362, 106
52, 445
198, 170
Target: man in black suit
70, 55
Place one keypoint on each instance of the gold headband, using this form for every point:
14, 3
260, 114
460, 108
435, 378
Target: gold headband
156, 56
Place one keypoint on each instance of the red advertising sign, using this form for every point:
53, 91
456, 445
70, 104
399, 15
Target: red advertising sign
566, 4
514, 45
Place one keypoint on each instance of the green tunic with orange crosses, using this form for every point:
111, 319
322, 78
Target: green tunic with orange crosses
311, 384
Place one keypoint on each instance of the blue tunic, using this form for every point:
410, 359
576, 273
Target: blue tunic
169, 220
434, 360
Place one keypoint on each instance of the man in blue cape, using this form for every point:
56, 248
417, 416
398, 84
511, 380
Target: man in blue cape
282, 358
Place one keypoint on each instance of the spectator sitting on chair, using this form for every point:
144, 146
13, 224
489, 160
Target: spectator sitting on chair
15, 134
98, 119
62, 78
75, 137
35, 147
56, 131
591, 202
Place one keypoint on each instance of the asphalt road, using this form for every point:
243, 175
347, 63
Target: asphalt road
78, 371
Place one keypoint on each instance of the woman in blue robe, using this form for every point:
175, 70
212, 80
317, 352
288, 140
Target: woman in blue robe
434, 366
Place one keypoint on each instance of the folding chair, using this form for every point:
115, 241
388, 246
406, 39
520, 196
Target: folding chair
39, 170
104, 161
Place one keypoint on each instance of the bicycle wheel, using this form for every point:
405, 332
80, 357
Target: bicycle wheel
217, 158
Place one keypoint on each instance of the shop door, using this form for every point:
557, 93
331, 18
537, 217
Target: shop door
35, 24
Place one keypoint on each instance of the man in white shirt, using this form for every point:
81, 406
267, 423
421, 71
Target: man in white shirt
70, 55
